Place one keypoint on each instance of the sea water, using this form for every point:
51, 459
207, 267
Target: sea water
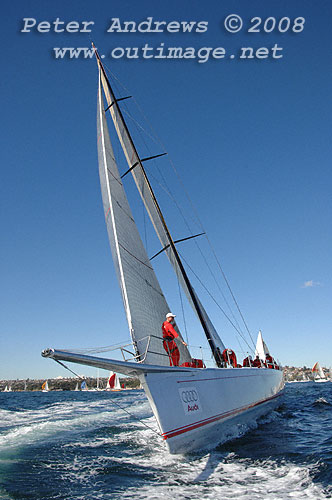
81, 445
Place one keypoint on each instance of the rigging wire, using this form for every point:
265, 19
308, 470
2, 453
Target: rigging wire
95, 350
135, 417
62, 364
200, 224
112, 401
211, 296
168, 192
156, 139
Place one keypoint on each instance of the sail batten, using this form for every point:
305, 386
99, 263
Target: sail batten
144, 302
157, 219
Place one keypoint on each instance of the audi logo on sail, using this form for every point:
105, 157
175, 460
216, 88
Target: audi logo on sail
189, 396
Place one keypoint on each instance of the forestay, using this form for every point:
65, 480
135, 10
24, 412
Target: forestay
156, 217
143, 299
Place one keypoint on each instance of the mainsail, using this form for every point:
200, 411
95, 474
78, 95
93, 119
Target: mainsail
154, 212
145, 304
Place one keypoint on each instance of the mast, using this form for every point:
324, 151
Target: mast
215, 351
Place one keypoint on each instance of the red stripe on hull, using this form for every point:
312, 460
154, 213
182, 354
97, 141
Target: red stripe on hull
200, 423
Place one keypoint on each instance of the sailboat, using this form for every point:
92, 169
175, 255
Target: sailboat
195, 407
45, 386
7, 389
84, 386
113, 383
76, 387
319, 375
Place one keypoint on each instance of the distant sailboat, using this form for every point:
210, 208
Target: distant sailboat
76, 387
99, 388
7, 389
45, 386
319, 375
194, 406
84, 387
113, 383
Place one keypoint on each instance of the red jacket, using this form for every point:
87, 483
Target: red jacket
169, 332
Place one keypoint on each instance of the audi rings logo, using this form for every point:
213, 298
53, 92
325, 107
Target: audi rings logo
189, 396
190, 400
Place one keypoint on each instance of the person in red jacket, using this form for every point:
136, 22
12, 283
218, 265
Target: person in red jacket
257, 362
169, 334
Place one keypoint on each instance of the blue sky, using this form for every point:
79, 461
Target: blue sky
251, 140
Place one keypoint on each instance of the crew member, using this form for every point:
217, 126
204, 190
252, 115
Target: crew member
169, 334
247, 362
257, 362
269, 360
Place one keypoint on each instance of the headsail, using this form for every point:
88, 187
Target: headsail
154, 212
144, 302
113, 382
261, 348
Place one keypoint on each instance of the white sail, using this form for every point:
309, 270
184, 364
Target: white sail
318, 371
117, 385
261, 348
143, 299
321, 373
113, 382
155, 215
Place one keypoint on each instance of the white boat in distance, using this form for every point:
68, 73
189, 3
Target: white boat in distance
319, 375
195, 407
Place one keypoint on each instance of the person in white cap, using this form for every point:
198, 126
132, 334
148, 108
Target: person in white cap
169, 334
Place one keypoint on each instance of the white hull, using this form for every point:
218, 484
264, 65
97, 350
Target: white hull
202, 408
220, 400
319, 380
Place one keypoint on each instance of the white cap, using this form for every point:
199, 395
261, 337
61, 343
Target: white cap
170, 315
